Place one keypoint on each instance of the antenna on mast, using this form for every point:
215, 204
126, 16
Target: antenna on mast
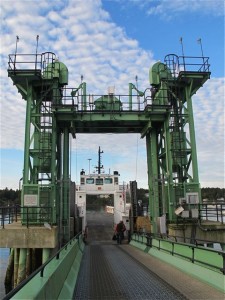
200, 42
100, 166
17, 41
138, 96
182, 48
37, 38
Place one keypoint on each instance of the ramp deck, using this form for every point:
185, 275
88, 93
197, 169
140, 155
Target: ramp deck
111, 271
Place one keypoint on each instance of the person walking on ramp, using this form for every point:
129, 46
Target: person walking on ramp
120, 229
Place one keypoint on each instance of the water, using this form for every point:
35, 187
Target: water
4, 255
212, 214
212, 217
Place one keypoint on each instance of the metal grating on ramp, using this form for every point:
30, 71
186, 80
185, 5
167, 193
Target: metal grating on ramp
107, 272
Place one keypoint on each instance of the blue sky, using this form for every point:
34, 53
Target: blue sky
109, 43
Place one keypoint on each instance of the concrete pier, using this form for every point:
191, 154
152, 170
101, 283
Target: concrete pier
16, 235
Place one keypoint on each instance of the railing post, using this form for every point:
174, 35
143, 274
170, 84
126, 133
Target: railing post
3, 218
223, 269
193, 255
149, 241
27, 216
9, 214
221, 212
217, 213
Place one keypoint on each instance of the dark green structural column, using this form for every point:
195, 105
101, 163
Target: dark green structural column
152, 163
66, 213
54, 174
169, 186
192, 136
27, 137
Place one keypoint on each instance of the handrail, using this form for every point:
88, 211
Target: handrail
211, 210
36, 62
178, 64
41, 268
148, 240
30, 215
9, 214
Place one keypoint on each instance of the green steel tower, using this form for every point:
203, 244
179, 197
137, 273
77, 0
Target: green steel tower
162, 114
46, 152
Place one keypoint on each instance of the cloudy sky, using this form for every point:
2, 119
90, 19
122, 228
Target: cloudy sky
109, 43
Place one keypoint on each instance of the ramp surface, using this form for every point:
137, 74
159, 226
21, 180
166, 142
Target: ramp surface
108, 272
111, 271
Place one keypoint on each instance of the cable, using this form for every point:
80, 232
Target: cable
136, 158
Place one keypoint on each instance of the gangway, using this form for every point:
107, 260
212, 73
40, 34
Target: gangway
128, 271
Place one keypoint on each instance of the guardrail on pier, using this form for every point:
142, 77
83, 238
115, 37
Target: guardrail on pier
50, 280
37, 215
206, 264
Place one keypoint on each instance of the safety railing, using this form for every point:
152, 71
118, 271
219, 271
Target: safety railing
37, 215
9, 214
28, 215
212, 212
91, 102
178, 64
190, 252
108, 103
35, 62
206, 212
194, 64
40, 272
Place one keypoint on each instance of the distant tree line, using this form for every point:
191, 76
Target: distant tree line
213, 194
10, 197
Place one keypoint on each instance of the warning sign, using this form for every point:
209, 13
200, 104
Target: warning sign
30, 200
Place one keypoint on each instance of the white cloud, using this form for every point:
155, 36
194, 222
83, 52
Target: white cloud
209, 115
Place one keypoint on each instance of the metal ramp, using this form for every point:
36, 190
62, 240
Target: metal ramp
107, 272
110, 271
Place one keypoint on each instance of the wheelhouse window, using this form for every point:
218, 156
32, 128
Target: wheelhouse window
99, 181
90, 181
108, 180
82, 180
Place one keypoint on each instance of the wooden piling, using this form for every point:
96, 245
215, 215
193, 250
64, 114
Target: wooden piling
9, 273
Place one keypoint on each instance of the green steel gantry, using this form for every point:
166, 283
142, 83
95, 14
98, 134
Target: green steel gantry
162, 114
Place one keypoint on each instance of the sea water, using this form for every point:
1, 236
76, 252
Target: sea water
4, 256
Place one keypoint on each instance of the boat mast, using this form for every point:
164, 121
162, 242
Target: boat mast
100, 166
